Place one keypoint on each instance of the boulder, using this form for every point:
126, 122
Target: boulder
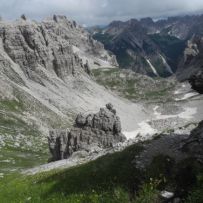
90, 132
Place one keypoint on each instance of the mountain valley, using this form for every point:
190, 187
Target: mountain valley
118, 96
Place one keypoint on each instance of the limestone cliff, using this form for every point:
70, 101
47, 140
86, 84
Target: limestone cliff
193, 58
50, 44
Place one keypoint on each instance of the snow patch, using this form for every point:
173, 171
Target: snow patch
188, 113
166, 64
187, 96
177, 92
152, 67
143, 131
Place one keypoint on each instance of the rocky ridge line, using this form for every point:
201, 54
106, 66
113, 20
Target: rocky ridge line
48, 45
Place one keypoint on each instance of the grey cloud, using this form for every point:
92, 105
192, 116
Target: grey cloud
99, 11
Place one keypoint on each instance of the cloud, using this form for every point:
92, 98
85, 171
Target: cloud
99, 11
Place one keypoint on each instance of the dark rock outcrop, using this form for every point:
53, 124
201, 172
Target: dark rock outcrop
90, 133
196, 82
57, 144
194, 144
23, 17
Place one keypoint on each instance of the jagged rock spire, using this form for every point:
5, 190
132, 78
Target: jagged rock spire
90, 132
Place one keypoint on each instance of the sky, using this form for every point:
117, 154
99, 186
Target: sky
99, 12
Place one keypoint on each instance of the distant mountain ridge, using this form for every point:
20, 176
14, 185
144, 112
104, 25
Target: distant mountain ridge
182, 27
154, 48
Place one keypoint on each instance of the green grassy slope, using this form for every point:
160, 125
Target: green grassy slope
113, 178
134, 86
24, 124
20, 143
107, 179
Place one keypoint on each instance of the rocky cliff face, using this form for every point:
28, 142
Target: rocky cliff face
54, 44
90, 133
193, 58
32, 45
151, 47
134, 49
83, 44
